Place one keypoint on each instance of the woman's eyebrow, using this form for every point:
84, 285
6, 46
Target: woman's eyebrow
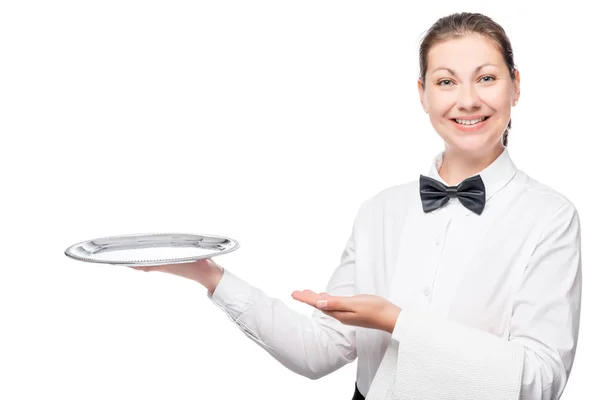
454, 73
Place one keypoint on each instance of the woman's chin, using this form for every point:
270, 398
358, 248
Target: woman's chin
470, 143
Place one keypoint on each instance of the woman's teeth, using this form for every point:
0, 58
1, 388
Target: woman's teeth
469, 122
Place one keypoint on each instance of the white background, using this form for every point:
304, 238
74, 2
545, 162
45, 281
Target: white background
265, 121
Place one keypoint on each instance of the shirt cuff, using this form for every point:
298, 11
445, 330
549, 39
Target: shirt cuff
232, 294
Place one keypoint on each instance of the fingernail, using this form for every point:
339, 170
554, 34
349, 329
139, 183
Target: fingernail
322, 303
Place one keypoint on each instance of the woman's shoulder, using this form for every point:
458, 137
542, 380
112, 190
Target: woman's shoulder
394, 197
543, 193
398, 191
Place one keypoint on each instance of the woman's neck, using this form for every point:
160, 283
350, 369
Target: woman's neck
456, 166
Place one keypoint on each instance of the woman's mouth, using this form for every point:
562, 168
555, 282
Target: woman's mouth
470, 125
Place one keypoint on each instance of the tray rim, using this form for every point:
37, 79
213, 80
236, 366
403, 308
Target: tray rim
68, 253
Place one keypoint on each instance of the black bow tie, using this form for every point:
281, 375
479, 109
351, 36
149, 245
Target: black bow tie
470, 192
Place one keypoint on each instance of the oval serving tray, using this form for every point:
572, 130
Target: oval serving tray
151, 248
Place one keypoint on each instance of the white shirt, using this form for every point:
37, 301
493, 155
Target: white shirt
511, 275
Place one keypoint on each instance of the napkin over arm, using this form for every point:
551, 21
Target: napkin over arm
434, 358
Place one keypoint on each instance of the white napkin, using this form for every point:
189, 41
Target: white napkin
434, 359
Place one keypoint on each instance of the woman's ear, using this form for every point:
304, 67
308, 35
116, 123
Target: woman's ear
517, 86
421, 88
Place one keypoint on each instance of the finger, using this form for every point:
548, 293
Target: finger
306, 296
337, 303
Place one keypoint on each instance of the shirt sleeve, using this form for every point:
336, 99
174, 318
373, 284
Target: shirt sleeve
442, 359
312, 346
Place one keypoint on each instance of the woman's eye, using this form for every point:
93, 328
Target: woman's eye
448, 82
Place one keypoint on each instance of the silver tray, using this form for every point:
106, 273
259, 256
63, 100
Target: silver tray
151, 249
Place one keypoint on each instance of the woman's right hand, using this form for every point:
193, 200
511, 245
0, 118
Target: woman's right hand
206, 272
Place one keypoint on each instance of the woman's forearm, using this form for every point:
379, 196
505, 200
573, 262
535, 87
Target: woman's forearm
310, 346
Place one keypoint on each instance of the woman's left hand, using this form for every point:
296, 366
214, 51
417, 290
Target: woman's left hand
365, 310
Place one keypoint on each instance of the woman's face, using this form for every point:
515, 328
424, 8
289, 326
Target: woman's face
467, 79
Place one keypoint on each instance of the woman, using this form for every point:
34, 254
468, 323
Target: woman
462, 284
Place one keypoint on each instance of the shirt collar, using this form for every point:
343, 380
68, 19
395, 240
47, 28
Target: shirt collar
495, 176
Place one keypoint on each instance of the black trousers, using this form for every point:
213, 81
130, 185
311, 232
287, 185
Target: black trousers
357, 394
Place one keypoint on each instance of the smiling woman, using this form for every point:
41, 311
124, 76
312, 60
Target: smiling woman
463, 284
483, 80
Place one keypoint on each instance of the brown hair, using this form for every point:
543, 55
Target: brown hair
458, 25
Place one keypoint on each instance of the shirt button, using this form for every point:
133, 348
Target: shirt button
438, 241
426, 292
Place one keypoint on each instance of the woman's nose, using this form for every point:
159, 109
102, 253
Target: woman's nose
468, 98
